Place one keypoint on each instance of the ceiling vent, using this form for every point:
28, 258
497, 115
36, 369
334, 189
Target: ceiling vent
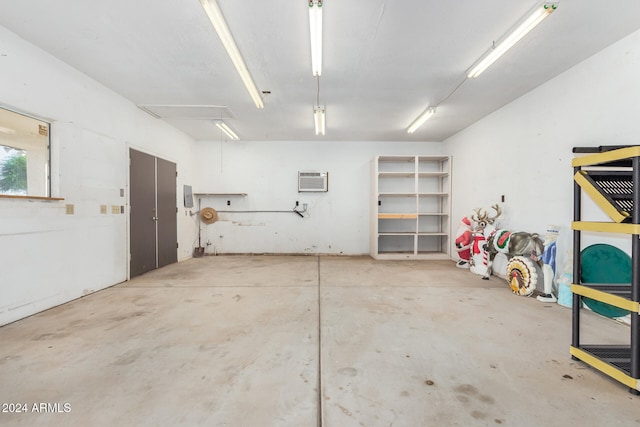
313, 181
196, 112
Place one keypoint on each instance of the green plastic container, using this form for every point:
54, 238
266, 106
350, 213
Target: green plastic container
602, 263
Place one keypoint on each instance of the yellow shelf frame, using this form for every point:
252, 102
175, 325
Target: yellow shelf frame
606, 227
618, 216
606, 297
607, 156
599, 199
604, 367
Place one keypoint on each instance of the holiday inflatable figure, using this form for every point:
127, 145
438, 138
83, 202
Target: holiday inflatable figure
549, 263
464, 242
479, 255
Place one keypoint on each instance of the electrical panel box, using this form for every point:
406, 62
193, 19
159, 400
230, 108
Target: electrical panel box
310, 181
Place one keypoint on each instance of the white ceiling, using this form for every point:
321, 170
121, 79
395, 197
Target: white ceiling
384, 61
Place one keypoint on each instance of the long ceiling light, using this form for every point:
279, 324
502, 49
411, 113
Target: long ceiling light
220, 25
315, 26
226, 129
538, 15
319, 119
426, 115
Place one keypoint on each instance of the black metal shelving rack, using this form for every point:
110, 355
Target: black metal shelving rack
611, 177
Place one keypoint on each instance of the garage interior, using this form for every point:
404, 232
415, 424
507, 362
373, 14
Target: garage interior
281, 311
386, 343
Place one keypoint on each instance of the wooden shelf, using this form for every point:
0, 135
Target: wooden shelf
410, 207
397, 174
46, 199
397, 216
220, 194
429, 174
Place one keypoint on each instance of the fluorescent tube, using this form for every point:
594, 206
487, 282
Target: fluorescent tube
511, 39
319, 119
227, 130
430, 111
220, 25
315, 27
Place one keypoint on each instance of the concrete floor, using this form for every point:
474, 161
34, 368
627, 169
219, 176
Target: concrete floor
234, 341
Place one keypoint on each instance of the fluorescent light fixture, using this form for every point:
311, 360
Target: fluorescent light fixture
220, 25
512, 38
430, 111
226, 129
319, 119
315, 26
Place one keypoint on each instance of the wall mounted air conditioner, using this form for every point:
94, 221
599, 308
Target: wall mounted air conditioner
313, 181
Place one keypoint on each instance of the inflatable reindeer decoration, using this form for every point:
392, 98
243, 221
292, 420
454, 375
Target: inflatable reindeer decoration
480, 257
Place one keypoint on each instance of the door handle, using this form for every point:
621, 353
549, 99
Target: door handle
155, 218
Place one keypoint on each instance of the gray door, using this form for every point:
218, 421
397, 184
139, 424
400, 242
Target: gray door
167, 212
153, 232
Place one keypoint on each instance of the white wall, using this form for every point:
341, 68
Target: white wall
524, 150
46, 256
338, 221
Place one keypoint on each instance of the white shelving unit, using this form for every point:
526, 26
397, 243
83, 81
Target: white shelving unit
410, 207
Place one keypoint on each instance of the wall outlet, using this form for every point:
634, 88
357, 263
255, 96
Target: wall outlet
103, 209
69, 209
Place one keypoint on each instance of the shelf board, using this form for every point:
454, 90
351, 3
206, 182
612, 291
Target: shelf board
408, 159
428, 174
398, 256
395, 256
433, 214
396, 174
397, 216
616, 295
432, 255
397, 233
612, 360
432, 233
432, 158
220, 194
397, 194
46, 199
440, 194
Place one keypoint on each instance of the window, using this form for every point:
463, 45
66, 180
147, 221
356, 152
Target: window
24, 155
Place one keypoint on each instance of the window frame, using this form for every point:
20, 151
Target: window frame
45, 192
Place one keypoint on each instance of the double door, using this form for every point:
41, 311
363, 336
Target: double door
153, 221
